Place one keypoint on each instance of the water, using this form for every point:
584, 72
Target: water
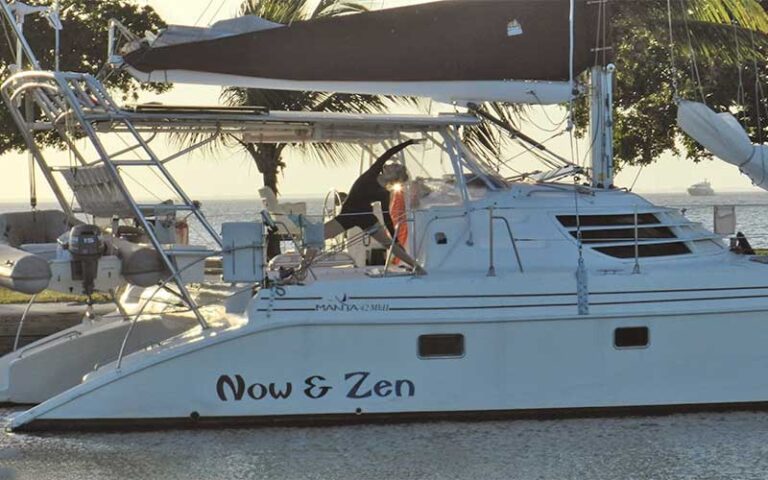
693, 446
751, 211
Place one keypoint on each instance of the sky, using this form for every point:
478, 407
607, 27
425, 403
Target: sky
230, 174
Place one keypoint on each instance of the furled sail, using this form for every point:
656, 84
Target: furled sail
723, 136
451, 50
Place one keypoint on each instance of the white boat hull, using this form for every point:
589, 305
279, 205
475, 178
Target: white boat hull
45, 368
299, 371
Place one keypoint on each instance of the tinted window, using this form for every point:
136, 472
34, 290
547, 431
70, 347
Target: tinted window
656, 250
431, 346
629, 337
624, 234
608, 220
614, 235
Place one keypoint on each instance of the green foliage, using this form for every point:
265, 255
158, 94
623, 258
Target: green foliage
719, 47
83, 49
715, 61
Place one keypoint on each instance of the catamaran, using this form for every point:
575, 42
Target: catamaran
542, 294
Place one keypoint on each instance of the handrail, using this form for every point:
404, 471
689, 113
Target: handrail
636, 268
492, 267
48, 340
391, 248
21, 322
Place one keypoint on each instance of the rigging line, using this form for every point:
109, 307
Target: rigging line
740, 92
604, 28
673, 63
637, 177
517, 135
135, 153
218, 10
202, 14
144, 187
8, 38
597, 35
571, 60
694, 61
758, 97
556, 126
526, 148
532, 151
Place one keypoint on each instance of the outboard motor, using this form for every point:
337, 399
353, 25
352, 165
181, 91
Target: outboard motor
86, 247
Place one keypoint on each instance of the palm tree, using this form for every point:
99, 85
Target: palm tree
268, 157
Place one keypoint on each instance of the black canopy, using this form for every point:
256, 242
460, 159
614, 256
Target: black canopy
451, 40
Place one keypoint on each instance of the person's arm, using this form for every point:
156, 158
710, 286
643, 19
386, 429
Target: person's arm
378, 165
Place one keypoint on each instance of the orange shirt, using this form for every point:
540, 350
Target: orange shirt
399, 217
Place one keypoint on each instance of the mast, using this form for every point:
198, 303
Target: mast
601, 125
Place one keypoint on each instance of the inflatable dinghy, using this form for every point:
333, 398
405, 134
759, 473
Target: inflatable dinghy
34, 256
22, 270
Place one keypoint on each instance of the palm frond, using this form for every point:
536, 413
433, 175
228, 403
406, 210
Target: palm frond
335, 8
286, 12
278, 11
487, 140
747, 13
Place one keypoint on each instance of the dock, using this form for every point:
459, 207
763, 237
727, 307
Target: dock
43, 320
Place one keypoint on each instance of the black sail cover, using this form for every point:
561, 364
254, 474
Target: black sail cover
444, 41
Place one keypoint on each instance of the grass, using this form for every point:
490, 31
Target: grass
9, 297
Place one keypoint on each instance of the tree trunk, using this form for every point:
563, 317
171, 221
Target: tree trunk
267, 159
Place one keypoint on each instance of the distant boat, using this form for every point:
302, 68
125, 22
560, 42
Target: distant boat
702, 189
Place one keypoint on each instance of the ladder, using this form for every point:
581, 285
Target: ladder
74, 106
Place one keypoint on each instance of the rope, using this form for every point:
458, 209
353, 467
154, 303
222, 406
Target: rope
218, 10
758, 92
637, 177
202, 14
694, 62
673, 63
571, 46
141, 184
741, 95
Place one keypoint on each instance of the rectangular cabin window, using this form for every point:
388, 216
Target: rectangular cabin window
631, 337
608, 220
441, 346
648, 229
624, 234
656, 250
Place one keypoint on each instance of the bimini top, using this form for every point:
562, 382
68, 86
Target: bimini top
257, 125
452, 50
